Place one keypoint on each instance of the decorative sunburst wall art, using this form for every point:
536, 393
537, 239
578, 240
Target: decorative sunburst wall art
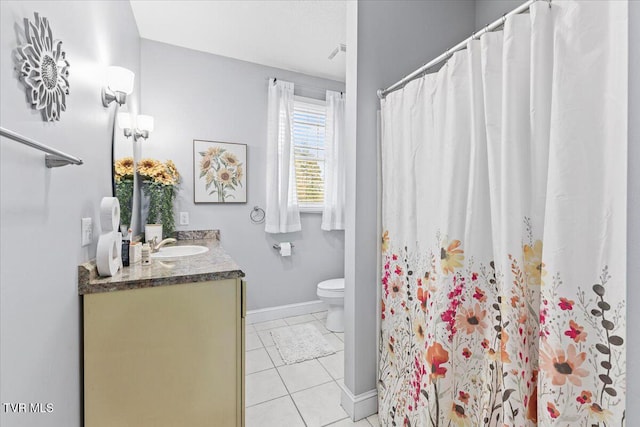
44, 69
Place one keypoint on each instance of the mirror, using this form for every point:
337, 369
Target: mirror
124, 180
217, 96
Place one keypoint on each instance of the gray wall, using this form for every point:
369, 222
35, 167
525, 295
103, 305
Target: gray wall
196, 95
40, 209
393, 38
489, 10
633, 242
633, 212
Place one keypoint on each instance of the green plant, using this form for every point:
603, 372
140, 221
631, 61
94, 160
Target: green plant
160, 182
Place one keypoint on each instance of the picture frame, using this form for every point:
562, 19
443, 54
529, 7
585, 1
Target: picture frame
219, 172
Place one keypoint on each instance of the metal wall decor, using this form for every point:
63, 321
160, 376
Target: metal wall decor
44, 69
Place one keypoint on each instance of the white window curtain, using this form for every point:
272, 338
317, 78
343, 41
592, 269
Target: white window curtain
504, 217
334, 172
282, 213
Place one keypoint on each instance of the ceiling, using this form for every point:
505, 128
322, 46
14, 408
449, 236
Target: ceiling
295, 35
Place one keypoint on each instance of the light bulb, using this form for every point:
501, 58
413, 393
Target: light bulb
120, 79
125, 121
145, 123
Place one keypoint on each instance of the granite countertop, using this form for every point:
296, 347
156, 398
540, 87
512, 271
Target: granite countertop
215, 264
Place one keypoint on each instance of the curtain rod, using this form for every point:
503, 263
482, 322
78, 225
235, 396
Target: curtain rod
463, 44
304, 86
53, 159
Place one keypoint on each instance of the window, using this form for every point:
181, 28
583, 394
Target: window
308, 145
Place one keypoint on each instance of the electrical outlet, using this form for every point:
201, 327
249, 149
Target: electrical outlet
87, 231
184, 218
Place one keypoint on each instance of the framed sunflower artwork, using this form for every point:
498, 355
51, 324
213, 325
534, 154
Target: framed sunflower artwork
219, 172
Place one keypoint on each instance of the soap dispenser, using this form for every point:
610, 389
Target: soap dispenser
146, 254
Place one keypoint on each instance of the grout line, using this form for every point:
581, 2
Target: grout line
260, 370
271, 358
325, 369
298, 409
289, 394
269, 400
306, 388
260, 338
291, 397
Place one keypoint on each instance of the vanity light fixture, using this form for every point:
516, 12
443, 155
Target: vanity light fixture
119, 85
140, 129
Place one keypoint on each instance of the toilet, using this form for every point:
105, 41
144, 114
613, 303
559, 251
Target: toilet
332, 293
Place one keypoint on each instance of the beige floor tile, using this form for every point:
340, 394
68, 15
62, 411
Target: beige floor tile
334, 364
373, 420
296, 320
266, 338
263, 386
257, 360
348, 423
279, 412
252, 342
335, 342
263, 326
275, 356
300, 376
321, 315
320, 326
320, 405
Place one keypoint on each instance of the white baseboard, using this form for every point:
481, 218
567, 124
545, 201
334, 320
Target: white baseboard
282, 311
360, 406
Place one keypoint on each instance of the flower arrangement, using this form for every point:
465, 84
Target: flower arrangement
123, 175
160, 182
221, 170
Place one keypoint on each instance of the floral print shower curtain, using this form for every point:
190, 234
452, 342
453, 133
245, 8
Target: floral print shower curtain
504, 228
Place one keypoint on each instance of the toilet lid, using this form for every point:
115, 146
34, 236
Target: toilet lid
332, 285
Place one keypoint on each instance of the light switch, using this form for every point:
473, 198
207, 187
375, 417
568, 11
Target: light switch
87, 231
184, 218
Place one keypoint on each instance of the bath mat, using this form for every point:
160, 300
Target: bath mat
300, 342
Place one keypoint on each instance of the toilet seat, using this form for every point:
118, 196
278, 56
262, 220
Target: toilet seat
336, 285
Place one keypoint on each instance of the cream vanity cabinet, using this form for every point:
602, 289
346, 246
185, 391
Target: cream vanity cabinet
165, 356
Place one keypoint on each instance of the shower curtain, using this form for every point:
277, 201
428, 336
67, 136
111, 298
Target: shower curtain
504, 228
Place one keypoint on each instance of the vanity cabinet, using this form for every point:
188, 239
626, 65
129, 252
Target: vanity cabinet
165, 356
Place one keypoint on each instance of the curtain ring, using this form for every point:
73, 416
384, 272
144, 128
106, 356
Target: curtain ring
504, 18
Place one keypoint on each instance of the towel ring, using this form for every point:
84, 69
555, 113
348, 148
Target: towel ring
257, 215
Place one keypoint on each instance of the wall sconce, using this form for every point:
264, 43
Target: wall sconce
140, 129
119, 85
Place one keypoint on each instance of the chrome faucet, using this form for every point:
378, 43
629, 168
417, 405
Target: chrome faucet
155, 246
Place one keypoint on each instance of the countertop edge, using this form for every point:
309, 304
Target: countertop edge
216, 264
98, 288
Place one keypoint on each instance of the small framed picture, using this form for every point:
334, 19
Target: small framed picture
219, 172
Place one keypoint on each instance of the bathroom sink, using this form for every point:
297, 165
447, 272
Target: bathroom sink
173, 253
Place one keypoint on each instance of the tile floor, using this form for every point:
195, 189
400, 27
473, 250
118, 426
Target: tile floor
302, 394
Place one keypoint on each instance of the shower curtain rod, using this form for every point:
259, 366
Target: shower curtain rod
463, 44
316, 88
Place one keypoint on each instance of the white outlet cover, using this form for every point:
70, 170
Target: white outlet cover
184, 218
87, 231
